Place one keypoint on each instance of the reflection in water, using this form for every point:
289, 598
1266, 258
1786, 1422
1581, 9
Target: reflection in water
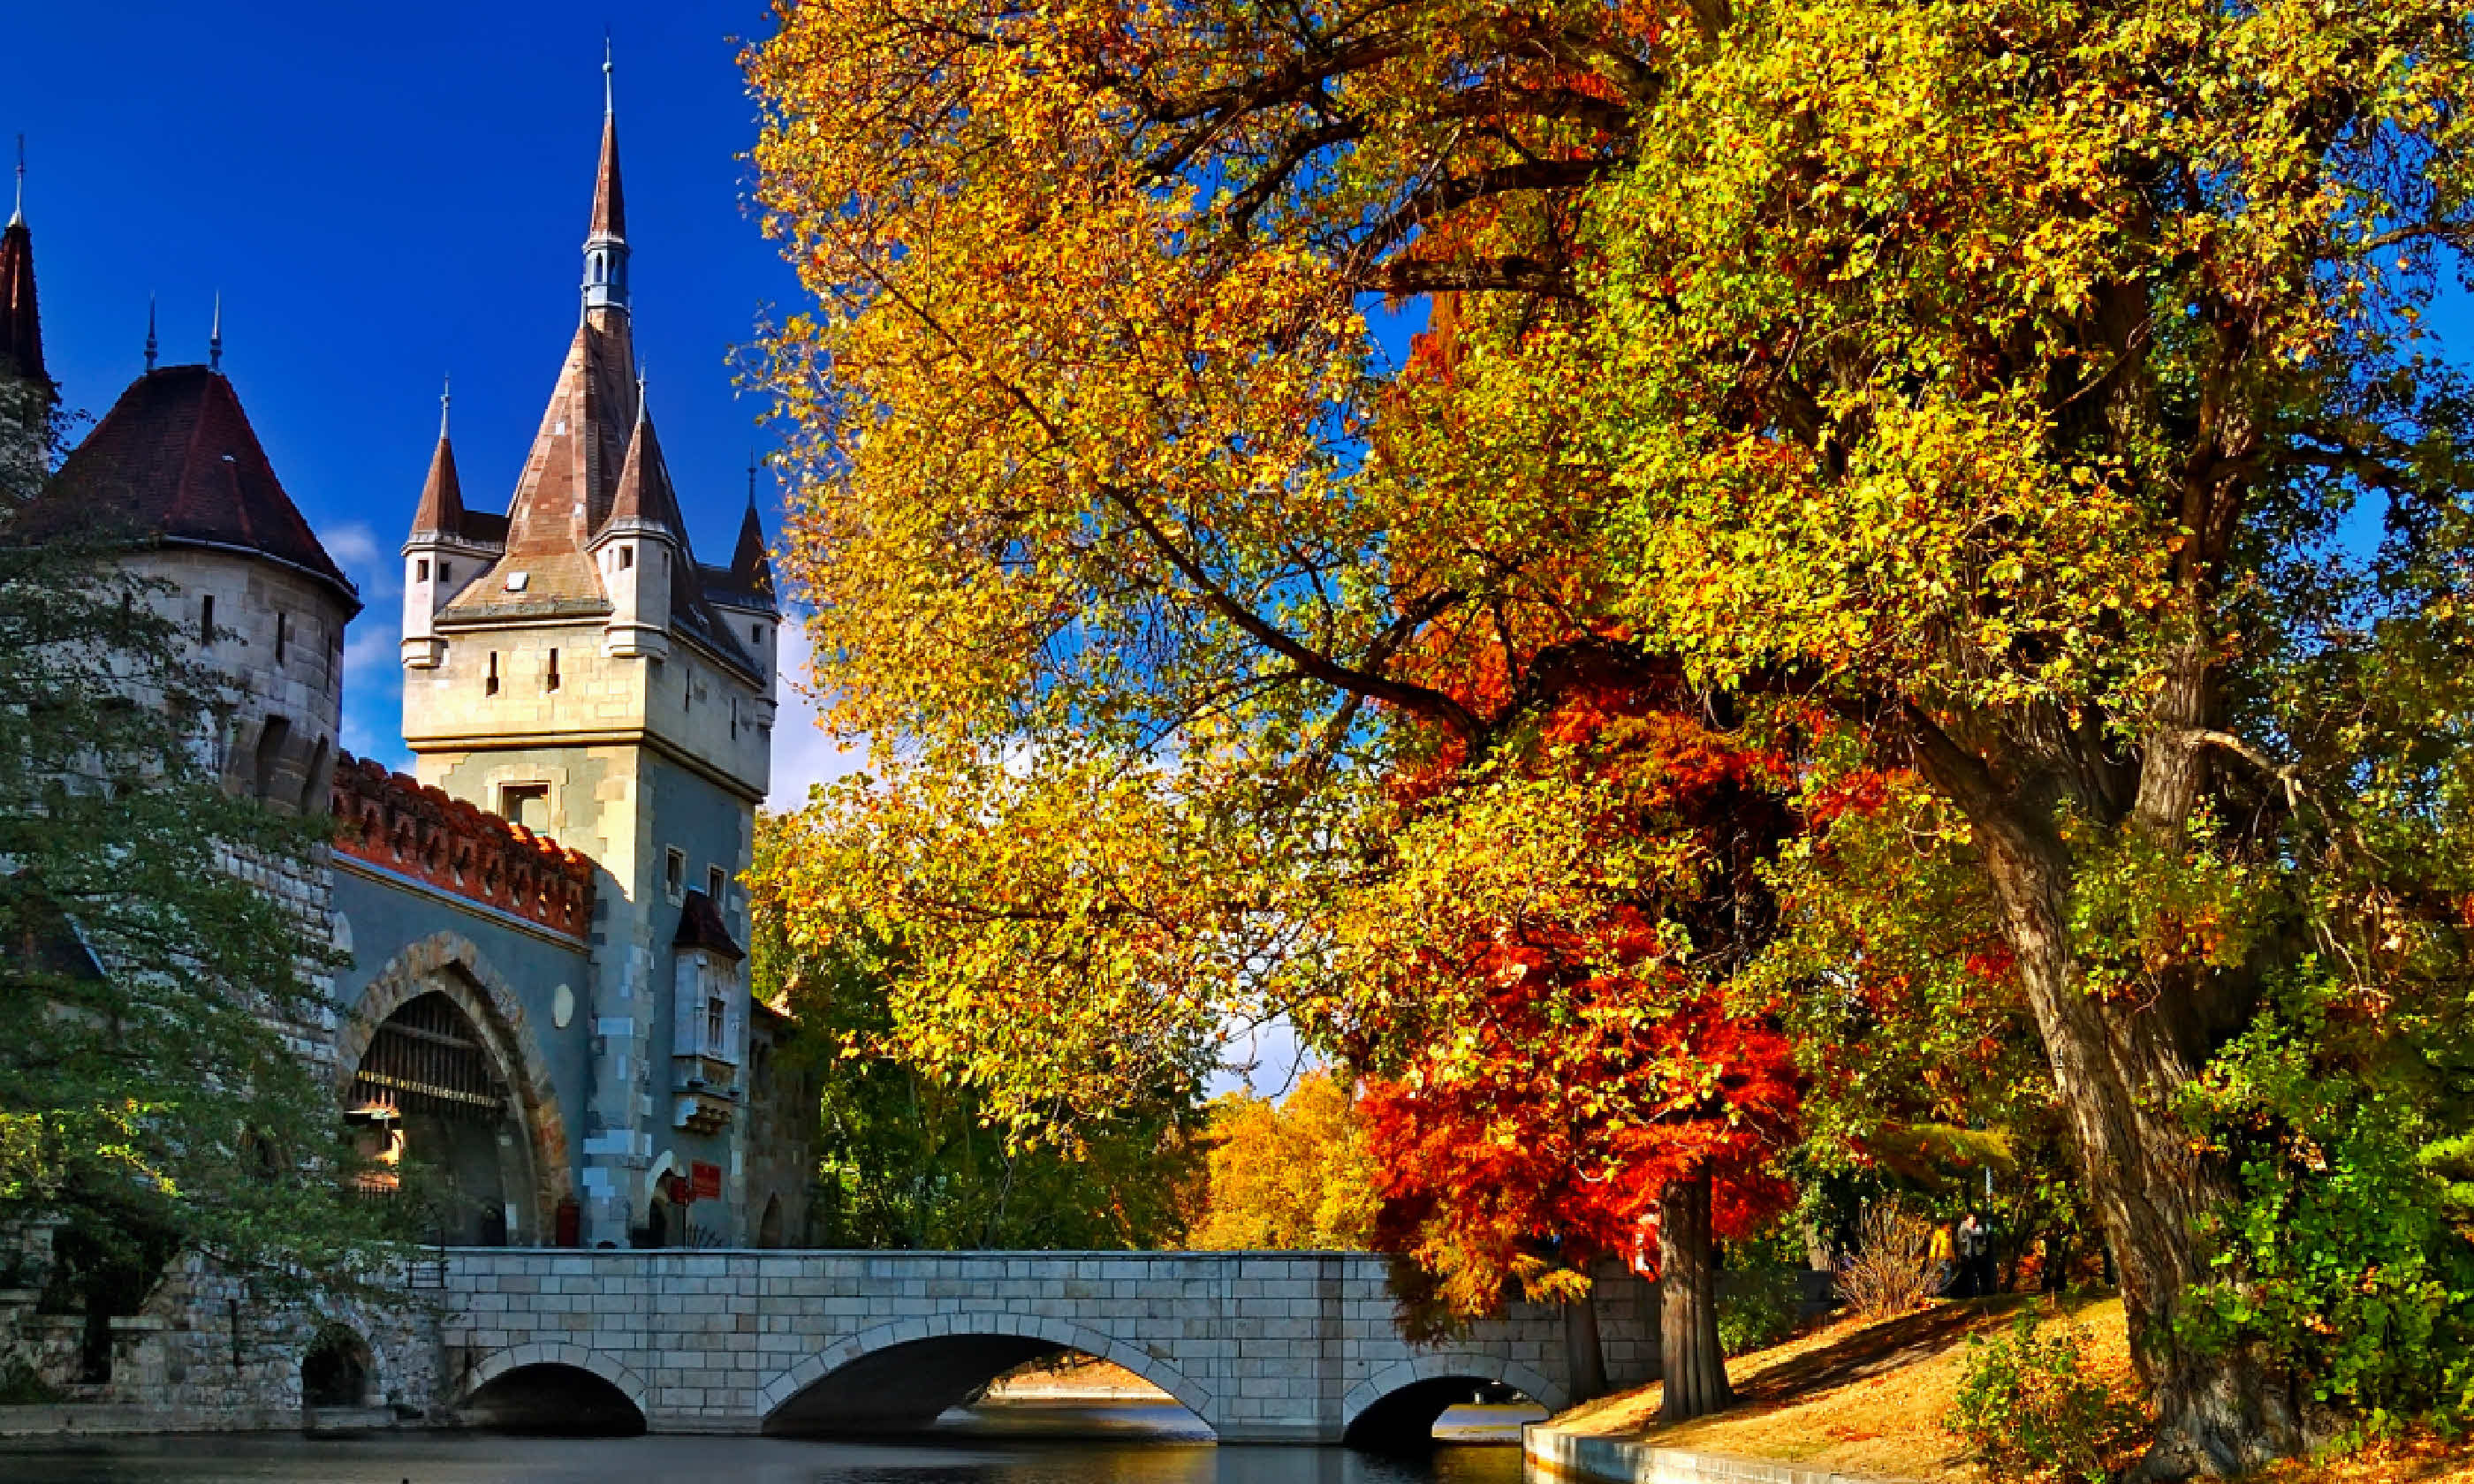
1127, 1444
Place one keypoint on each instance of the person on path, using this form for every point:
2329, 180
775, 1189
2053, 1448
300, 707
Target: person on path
1975, 1258
1939, 1255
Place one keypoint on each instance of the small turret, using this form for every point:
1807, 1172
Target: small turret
638, 548
741, 595
439, 557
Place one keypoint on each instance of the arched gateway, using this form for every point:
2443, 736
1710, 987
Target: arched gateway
437, 1065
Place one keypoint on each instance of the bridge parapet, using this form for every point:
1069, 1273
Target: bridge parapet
1264, 1346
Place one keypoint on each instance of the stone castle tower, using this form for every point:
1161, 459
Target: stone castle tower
571, 666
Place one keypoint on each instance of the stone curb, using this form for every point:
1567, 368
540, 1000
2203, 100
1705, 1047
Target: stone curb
1620, 1461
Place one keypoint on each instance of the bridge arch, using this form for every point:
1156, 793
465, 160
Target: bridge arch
904, 1373
1397, 1405
545, 1386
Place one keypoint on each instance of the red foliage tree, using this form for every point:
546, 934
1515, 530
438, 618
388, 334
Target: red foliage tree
1571, 1087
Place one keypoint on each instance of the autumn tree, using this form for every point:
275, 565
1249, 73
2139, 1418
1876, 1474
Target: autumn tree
2001, 376
1564, 1067
1995, 377
1291, 1174
906, 1156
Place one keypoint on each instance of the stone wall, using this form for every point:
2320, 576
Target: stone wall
209, 1353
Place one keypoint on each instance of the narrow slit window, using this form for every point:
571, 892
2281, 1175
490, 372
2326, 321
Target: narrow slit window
714, 885
675, 871
282, 636
446, 573
549, 677
206, 620
626, 557
489, 686
421, 570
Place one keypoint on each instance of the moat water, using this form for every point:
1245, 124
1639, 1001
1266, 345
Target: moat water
1124, 1443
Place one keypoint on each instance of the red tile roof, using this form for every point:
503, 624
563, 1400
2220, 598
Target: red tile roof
609, 206
177, 461
440, 511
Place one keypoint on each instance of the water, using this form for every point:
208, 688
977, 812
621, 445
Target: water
1132, 1443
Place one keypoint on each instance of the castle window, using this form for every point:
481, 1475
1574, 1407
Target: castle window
526, 804
756, 634
714, 885
313, 787
206, 620
674, 871
270, 753
549, 677
446, 573
626, 557
282, 636
421, 571
489, 686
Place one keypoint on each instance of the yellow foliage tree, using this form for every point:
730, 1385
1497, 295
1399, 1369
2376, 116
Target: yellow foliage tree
1286, 1176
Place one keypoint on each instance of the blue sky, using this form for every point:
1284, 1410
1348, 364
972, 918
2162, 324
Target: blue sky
382, 196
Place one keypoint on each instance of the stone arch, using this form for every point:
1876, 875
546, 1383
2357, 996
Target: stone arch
569, 1358
1033, 1333
1412, 1385
447, 963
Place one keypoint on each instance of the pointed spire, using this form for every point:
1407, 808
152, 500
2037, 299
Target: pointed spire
646, 502
605, 240
446, 395
150, 332
751, 569
21, 329
215, 337
440, 511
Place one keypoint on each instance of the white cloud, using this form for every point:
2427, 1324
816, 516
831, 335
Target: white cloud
803, 754
373, 673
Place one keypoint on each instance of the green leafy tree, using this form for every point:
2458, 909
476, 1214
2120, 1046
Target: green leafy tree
151, 1099
907, 1156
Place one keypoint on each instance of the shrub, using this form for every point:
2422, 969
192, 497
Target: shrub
2029, 1410
1891, 1270
1756, 1309
22, 1385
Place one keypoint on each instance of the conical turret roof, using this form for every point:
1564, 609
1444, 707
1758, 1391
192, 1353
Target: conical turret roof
176, 460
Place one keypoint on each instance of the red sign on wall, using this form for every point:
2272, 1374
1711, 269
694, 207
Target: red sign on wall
704, 1181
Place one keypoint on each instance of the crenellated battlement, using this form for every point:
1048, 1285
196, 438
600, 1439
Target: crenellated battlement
391, 822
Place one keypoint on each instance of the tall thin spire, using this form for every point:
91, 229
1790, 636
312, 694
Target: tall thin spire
22, 329
215, 337
605, 239
150, 332
751, 479
445, 395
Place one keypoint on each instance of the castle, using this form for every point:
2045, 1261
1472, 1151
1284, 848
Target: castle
545, 992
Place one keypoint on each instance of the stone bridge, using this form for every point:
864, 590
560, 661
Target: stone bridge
1263, 1347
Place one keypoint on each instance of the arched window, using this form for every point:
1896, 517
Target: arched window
313, 786
270, 753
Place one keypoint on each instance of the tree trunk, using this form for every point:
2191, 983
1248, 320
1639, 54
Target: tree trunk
2118, 1067
1691, 1358
1581, 1348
